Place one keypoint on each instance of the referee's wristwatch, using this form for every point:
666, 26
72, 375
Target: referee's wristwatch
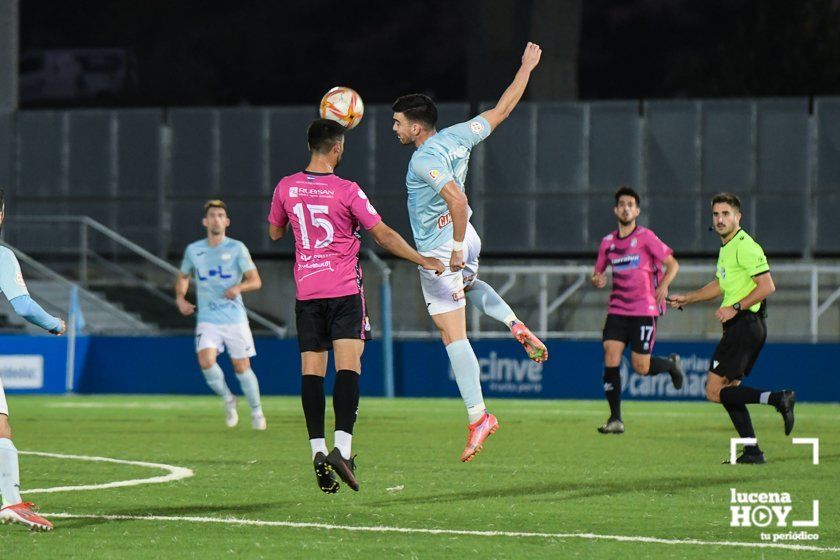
737, 306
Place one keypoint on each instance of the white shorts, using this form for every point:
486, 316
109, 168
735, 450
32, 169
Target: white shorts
445, 293
4, 408
237, 338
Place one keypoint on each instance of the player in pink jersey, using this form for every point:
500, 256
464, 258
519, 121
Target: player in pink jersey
326, 214
637, 299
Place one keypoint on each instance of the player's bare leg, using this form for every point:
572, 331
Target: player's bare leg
453, 332
251, 389
488, 301
215, 378
12, 508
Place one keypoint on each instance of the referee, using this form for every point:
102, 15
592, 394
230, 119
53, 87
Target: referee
743, 279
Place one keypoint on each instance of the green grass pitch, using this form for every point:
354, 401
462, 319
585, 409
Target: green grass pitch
546, 471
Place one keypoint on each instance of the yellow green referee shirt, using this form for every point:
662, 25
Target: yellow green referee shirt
739, 260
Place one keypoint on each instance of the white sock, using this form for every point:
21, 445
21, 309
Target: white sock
343, 440
764, 398
318, 444
476, 412
251, 389
9, 473
215, 378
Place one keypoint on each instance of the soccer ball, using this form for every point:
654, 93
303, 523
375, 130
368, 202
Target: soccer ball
344, 106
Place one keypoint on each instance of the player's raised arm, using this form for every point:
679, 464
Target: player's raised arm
512, 95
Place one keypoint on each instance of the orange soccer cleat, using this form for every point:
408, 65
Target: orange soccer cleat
533, 346
22, 513
479, 431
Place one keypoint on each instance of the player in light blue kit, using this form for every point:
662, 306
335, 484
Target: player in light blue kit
13, 509
218, 264
439, 214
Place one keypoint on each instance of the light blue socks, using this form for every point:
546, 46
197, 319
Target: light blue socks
250, 388
485, 298
467, 376
215, 378
9, 473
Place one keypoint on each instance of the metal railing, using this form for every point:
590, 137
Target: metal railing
85, 253
64, 305
580, 275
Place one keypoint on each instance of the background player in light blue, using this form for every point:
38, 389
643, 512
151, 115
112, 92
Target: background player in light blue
439, 214
12, 508
218, 264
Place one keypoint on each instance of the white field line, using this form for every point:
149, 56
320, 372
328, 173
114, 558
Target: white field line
416, 530
134, 405
175, 473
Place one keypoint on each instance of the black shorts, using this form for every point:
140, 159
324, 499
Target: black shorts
320, 321
738, 349
638, 332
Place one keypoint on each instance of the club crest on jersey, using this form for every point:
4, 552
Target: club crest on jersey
226, 256
293, 192
634, 242
476, 127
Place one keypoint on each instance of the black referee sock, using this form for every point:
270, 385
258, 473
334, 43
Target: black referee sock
740, 417
346, 400
314, 405
658, 365
612, 390
740, 395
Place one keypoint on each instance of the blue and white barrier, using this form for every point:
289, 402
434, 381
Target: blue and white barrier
167, 365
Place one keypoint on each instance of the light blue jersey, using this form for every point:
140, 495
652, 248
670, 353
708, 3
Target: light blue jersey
442, 158
11, 279
216, 270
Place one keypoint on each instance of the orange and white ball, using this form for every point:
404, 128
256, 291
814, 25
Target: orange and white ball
342, 105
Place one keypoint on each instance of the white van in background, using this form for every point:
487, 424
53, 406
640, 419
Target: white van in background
74, 75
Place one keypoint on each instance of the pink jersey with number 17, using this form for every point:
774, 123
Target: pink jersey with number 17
326, 213
636, 262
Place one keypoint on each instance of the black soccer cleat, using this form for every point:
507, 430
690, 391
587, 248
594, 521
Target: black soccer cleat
748, 459
613, 426
324, 474
785, 407
677, 375
344, 468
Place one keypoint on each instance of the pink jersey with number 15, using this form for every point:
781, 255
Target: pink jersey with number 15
326, 213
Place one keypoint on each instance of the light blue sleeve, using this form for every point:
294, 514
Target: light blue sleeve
187, 265
432, 171
244, 259
29, 309
471, 132
11, 279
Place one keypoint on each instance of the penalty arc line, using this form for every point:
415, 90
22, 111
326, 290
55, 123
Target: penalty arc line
175, 473
415, 530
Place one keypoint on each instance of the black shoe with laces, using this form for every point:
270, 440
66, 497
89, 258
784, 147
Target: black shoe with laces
748, 459
787, 399
323, 472
677, 375
344, 468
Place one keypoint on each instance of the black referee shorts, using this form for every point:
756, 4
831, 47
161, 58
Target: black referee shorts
320, 321
738, 349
